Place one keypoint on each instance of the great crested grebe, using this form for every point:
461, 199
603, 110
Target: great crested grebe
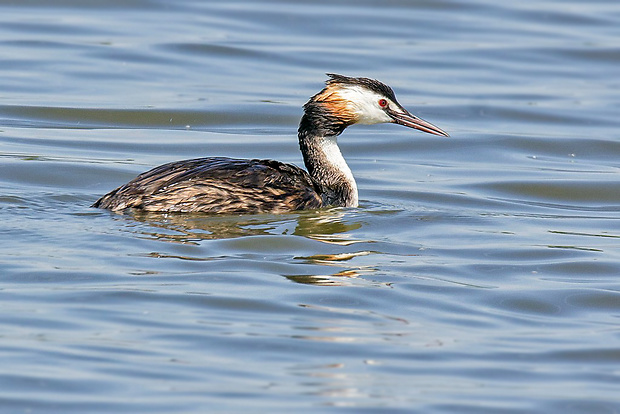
233, 186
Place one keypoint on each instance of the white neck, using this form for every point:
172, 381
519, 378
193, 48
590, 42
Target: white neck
333, 157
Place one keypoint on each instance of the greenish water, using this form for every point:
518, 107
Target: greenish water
481, 273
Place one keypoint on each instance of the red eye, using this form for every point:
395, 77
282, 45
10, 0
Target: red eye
383, 103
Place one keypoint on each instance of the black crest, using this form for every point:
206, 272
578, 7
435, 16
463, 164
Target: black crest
372, 84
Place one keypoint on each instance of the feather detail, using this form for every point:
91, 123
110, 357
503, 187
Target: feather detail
217, 185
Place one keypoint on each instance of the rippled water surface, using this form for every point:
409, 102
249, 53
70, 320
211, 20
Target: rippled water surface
479, 275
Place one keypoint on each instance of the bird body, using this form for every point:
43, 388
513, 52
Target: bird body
217, 184
237, 186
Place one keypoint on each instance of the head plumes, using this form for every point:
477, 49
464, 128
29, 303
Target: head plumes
371, 84
346, 101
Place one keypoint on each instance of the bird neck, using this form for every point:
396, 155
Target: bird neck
318, 134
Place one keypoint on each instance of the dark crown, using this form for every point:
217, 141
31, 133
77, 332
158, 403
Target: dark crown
373, 85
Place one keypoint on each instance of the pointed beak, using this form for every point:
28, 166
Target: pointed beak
407, 119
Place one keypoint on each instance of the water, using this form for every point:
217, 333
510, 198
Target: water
480, 273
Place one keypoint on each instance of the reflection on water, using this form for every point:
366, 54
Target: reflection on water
336, 279
325, 225
329, 226
339, 278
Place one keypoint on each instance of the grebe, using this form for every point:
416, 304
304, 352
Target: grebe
227, 185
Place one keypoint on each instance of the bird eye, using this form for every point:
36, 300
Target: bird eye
383, 103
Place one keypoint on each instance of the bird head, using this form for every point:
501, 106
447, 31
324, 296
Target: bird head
366, 101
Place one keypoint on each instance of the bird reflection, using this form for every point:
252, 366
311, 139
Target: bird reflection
326, 225
333, 226
341, 278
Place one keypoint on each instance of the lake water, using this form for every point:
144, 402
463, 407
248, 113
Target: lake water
480, 274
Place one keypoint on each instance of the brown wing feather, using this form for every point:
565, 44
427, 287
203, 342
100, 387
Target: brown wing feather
217, 185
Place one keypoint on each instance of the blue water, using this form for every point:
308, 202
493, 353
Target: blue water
480, 274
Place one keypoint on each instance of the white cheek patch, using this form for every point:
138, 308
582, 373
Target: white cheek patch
364, 104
